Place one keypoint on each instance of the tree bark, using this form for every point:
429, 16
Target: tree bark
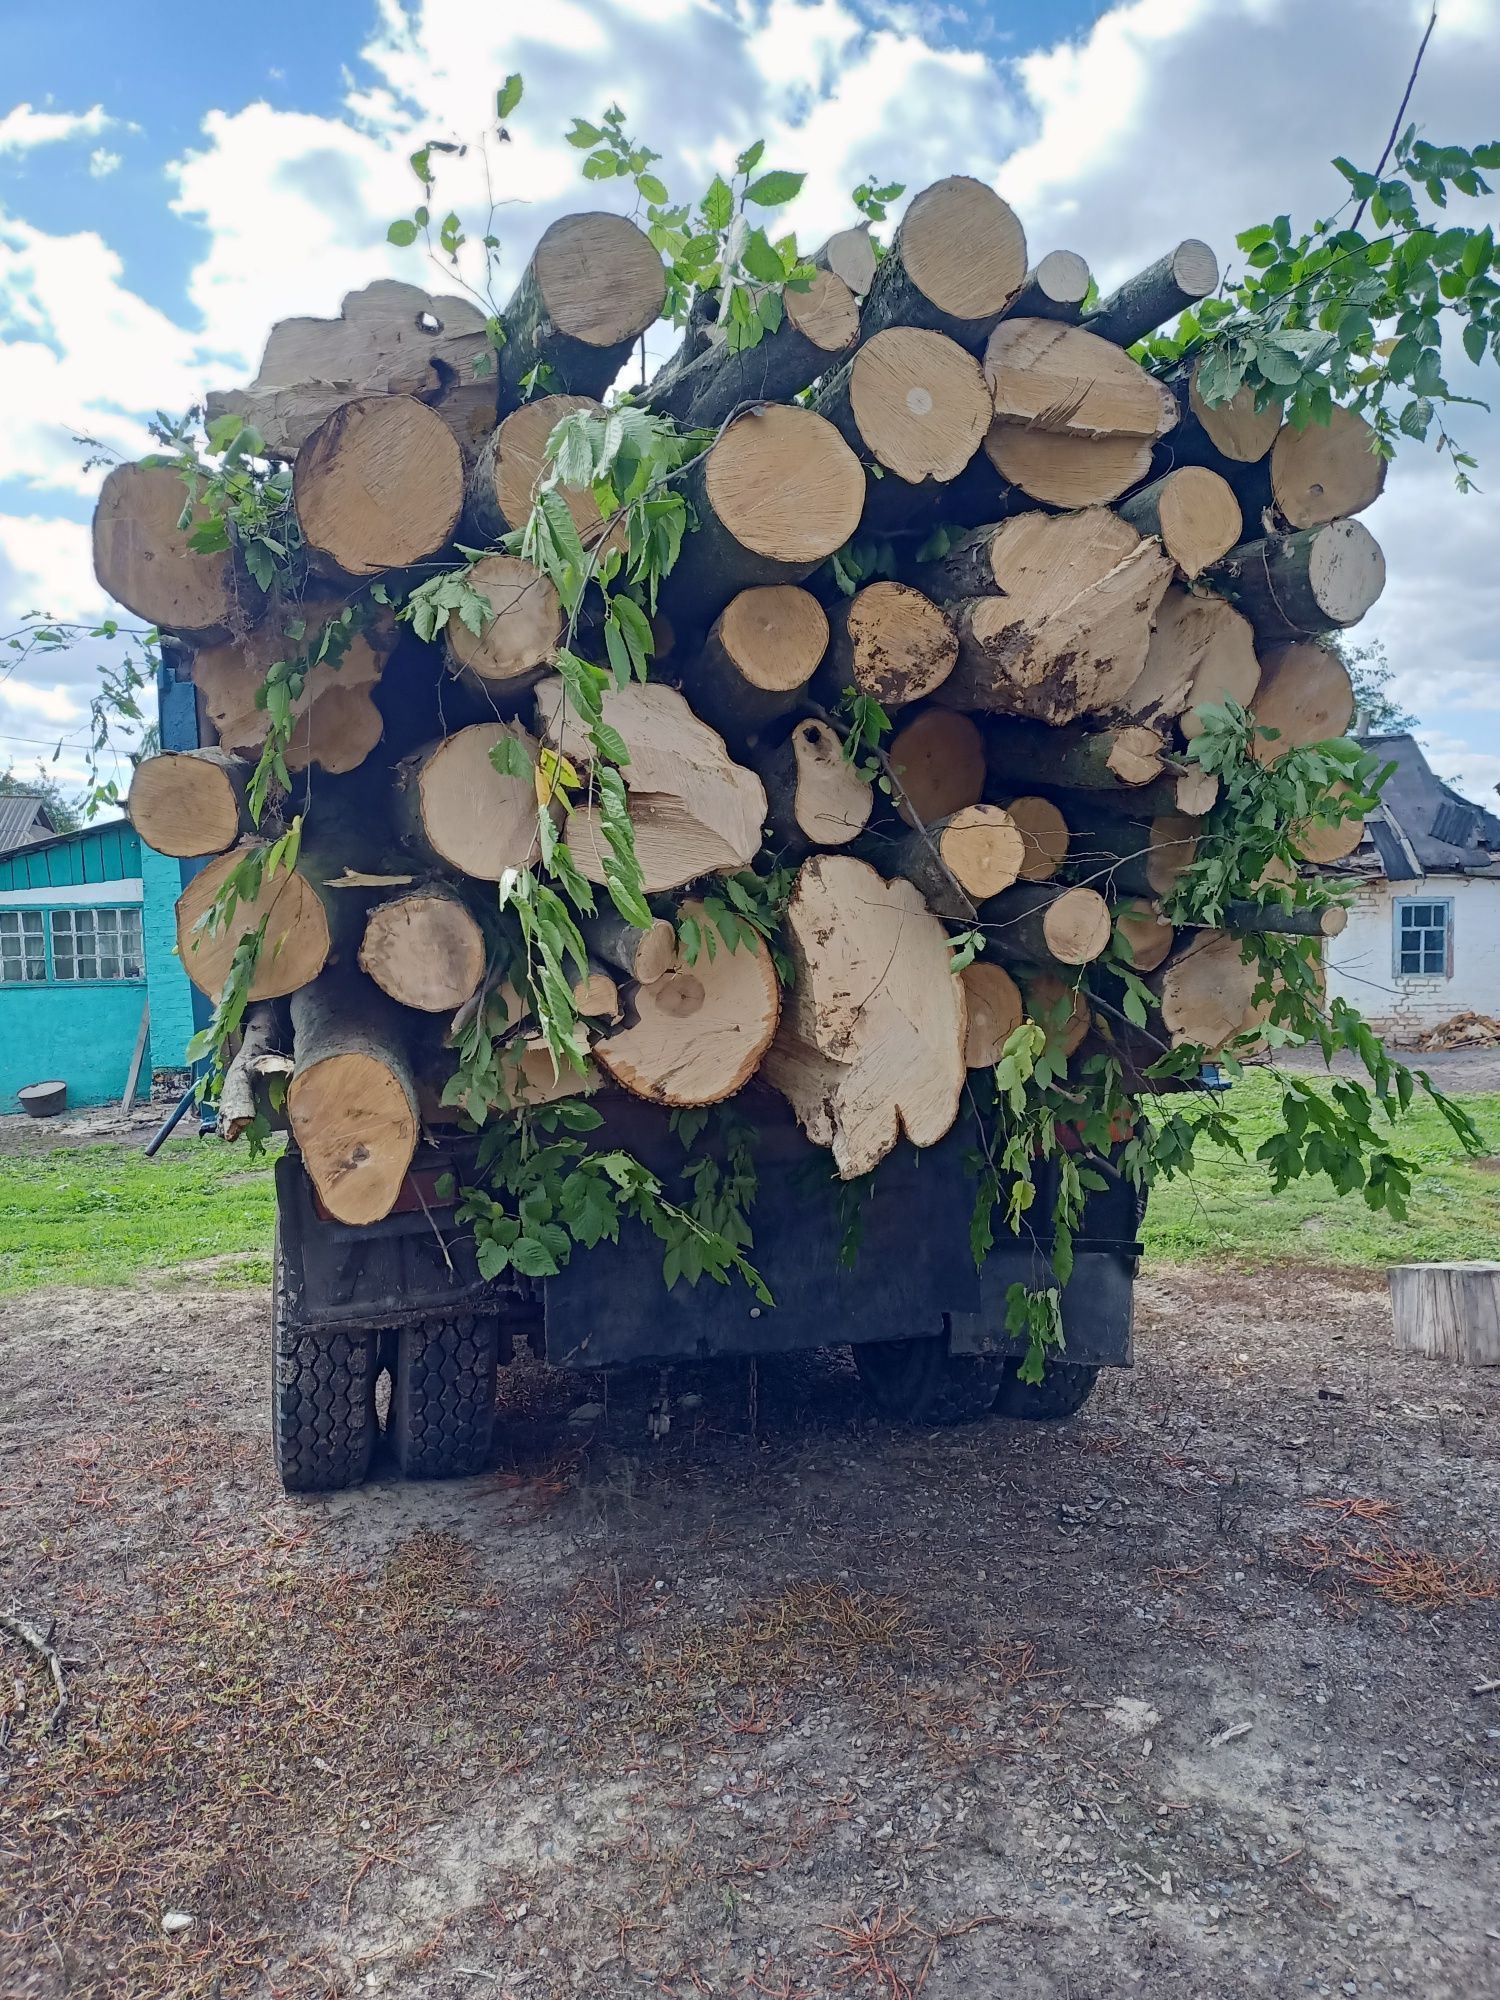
1305, 696
424, 948
938, 761
593, 286
817, 327
261, 1054
189, 802
955, 264
1251, 919
1126, 856
143, 561
502, 485
1083, 759
995, 1010
352, 1100
1045, 924
641, 955
888, 641
519, 642
452, 807
293, 951
378, 488
1319, 580
1194, 513
1159, 293
814, 795
759, 657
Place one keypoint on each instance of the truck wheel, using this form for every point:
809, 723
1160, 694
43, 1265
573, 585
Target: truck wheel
919, 1382
1062, 1392
323, 1422
443, 1397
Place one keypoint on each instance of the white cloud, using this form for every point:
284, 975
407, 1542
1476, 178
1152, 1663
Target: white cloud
24, 129
103, 163
1475, 773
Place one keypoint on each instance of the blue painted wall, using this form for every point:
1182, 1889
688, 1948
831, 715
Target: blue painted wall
83, 1032
172, 1025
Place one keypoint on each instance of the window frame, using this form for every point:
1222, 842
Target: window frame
1399, 930
27, 958
122, 934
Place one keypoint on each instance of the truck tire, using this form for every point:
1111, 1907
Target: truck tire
1062, 1392
443, 1397
919, 1382
323, 1422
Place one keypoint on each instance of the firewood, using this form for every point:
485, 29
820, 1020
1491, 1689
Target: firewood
818, 326
390, 339
521, 636
1142, 857
1193, 512
189, 802
424, 948
774, 497
1159, 293
352, 1100
378, 486
1201, 654
1325, 471
872, 1038
641, 955
1054, 289
1249, 919
261, 1054
1068, 382
1314, 581
911, 402
502, 485
1059, 1008
597, 996
593, 286
142, 558
850, 255
296, 942
1205, 991
699, 1031
1305, 696
889, 641
1063, 470
1044, 923
995, 1011
1044, 836
1081, 759
938, 761
695, 811
958, 862
763, 650
957, 261
1146, 932
814, 795
1235, 432
453, 808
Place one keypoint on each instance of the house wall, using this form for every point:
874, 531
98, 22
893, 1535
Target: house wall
1361, 961
172, 1024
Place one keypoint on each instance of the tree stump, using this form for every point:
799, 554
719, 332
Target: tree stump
1448, 1311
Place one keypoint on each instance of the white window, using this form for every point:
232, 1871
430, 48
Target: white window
23, 947
1424, 938
96, 944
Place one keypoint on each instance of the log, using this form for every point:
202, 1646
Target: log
1063, 470
640, 955
850, 255
1201, 654
699, 1031
1325, 471
818, 326
1192, 511
1250, 919
815, 797
762, 651
1450, 1312
1145, 932
995, 1010
1054, 289
261, 1053
695, 811
872, 1038
774, 497
1059, 1008
888, 641
512, 459
451, 807
521, 636
1159, 293
911, 402
955, 264
425, 948
1305, 696
1081, 759
958, 862
593, 286
1323, 842
189, 802
1213, 434
1067, 382
532, 1077
1043, 923
937, 760
1137, 858
142, 558
378, 486
1044, 836
390, 339
1205, 992
352, 1100
1317, 580
597, 996
296, 943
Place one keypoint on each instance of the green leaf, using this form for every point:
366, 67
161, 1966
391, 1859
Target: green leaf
652, 189
583, 135
508, 96
771, 190
401, 234
718, 203
761, 259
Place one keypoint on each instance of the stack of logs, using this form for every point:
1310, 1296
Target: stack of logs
1116, 556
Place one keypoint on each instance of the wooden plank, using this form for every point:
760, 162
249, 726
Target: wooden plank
135, 1061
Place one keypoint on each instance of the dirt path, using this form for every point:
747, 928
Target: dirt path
800, 1708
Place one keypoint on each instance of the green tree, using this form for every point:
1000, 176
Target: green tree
1372, 675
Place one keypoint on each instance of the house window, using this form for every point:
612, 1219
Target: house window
23, 947
1424, 939
96, 944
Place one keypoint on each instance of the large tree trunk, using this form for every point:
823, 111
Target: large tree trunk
872, 1039
763, 650
959, 862
1159, 293
938, 762
295, 946
1193, 512
1305, 696
143, 561
699, 1031
914, 404
695, 811
378, 487
817, 327
888, 641
352, 1100
957, 262
503, 483
1042, 923
774, 497
995, 1010
520, 637
189, 802
1448, 1312
1316, 581
452, 807
815, 797
593, 286
1201, 654
425, 948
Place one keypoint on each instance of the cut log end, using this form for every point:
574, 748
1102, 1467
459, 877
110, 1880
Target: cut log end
1044, 837
774, 635
784, 485
505, 477
919, 403
1236, 429
850, 255
521, 632
188, 803
1059, 1008
938, 761
425, 950
143, 561
1326, 471
1195, 513
378, 486
1077, 927
833, 802
963, 248
1145, 931
1205, 992
1066, 471
995, 1011
466, 814
827, 313
1065, 382
355, 1123
1305, 696
599, 279
296, 942
983, 850
893, 643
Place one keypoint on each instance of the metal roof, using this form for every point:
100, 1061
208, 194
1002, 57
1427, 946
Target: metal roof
23, 818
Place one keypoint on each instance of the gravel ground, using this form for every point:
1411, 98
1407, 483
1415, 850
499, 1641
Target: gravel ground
1198, 1695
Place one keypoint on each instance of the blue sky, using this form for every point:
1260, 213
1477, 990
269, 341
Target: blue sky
208, 169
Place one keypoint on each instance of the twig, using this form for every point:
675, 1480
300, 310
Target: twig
41, 1645
1400, 109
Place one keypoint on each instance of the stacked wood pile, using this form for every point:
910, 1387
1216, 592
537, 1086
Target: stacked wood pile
1116, 557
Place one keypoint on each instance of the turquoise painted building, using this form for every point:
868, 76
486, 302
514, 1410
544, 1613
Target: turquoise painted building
87, 946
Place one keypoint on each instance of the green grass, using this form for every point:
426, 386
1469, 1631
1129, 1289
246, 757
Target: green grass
98, 1215
1228, 1208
